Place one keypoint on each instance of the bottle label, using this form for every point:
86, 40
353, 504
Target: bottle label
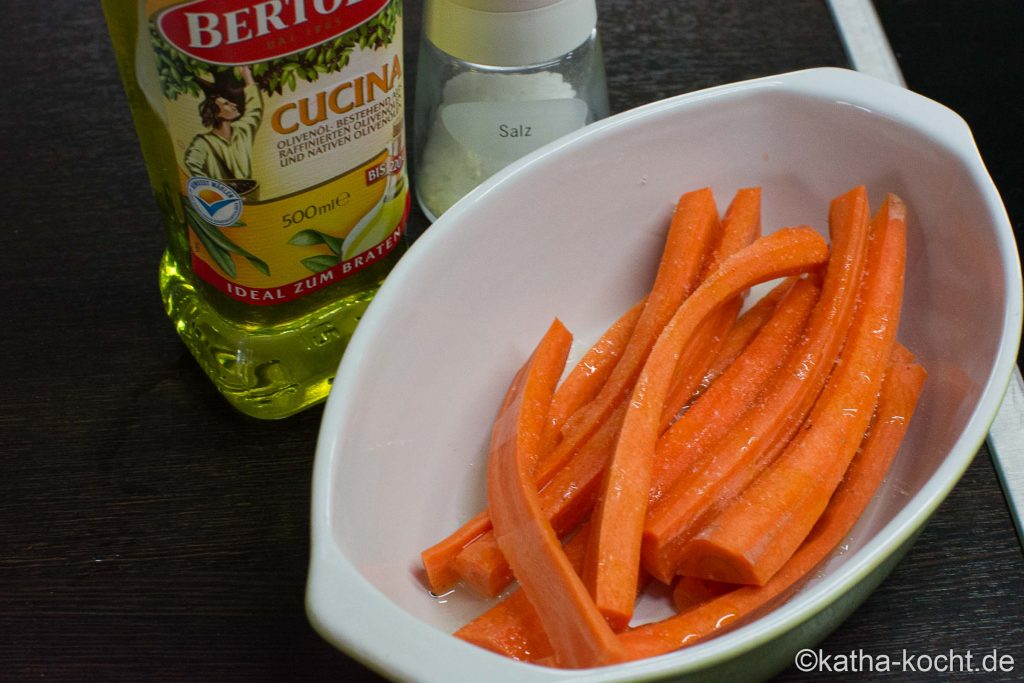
501, 132
286, 118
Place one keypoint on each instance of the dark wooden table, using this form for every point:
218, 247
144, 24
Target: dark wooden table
147, 531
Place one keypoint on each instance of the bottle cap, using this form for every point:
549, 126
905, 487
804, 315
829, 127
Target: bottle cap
508, 32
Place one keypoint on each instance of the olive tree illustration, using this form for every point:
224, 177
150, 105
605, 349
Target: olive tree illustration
181, 74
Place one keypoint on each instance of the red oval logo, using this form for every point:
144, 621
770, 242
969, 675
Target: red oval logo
232, 32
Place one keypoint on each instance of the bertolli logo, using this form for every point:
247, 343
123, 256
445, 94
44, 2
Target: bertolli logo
244, 32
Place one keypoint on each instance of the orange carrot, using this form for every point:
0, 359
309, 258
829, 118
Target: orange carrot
689, 592
740, 384
512, 627
438, 560
612, 564
740, 226
566, 500
693, 226
582, 383
579, 635
694, 366
727, 467
755, 535
482, 567
479, 563
569, 496
542, 480
585, 380
900, 393
747, 325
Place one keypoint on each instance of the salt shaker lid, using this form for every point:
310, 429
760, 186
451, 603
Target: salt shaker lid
508, 32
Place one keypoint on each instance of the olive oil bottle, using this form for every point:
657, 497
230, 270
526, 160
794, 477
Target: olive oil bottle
274, 139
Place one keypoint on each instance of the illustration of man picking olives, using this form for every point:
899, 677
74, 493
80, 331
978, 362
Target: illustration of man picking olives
233, 115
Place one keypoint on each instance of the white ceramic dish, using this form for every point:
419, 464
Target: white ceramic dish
575, 230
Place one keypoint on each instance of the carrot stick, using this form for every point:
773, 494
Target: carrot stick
730, 463
900, 393
612, 564
585, 380
482, 567
689, 592
570, 495
755, 535
565, 502
747, 325
693, 226
512, 627
479, 563
438, 560
578, 633
740, 227
728, 398
695, 365
579, 386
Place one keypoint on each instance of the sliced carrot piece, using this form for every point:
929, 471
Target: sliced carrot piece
694, 366
580, 385
587, 377
692, 229
690, 591
565, 502
755, 535
482, 567
612, 564
747, 325
578, 633
512, 627
740, 226
570, 495
725, 401
901, 391
731, 462
438, 560
694, 224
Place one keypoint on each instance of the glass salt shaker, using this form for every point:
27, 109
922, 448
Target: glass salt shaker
496, 80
